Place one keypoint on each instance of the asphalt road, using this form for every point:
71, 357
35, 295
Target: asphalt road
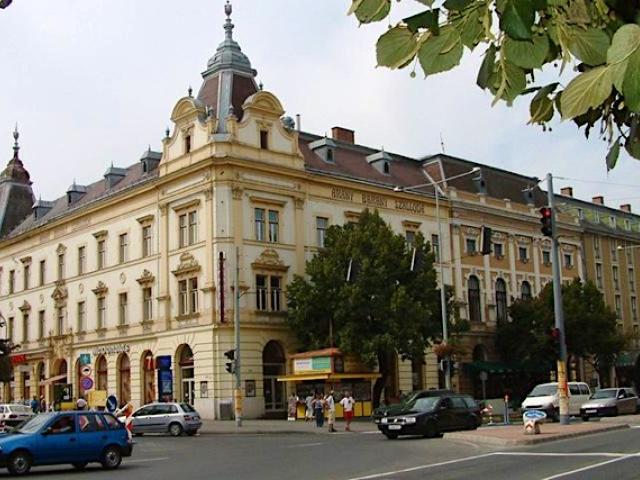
614, 455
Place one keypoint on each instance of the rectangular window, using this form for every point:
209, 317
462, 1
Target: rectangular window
596, 246
187, 144
275, 294
193, 227
273, 226
102, 312
146, 241
123, 306
632, 280
634, 308
183, 230
616, 278
25, 327
12, 281
10, 329
523, 254
498, 249
123, 251
82, 260
258, 214
435, 245
147, 304
599, 275
60, 320
546, 257
321, 230
568, 260
627, 224
41, 324
60, 266
264, 139
268, 293
618, 301
193, 295
42, 273
612, 222
27, 275
470, 246
188, 228
614, 251
410, 238
261, 292
102, 254
82, 316
188, 296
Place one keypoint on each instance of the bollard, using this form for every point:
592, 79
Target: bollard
506, 409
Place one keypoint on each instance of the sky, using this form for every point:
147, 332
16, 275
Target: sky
92, 83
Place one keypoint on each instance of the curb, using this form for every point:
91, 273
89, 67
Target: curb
249, 431
531, 440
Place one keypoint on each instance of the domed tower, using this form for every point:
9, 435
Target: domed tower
16, 195
228, 79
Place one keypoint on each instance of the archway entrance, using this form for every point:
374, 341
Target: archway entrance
186, 378
124, 378
148, 377
102, 379
273, 366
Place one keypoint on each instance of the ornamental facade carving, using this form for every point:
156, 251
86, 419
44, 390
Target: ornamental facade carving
101, 289
147, 278
270, 260
188, 264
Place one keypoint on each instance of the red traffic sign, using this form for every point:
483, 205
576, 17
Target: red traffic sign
86, 371
86, 383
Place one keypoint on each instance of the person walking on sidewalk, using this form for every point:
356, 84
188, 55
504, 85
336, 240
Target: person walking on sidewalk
331, 410
347, 403
308, 401
318, 409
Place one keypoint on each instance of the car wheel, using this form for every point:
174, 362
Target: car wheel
175, 429
19, 463
111, 458
80, 465
431, 430
391, 436
472, 424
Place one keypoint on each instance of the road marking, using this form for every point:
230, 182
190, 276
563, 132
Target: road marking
422, 467
568, 454
375, 431
591, 467
144, 460
302, 445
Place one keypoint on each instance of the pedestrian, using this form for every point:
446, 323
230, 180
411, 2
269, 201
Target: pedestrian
318, 409
35, 405
43, 404
292, 407
308, 401
331, 410
81, 404
347, 403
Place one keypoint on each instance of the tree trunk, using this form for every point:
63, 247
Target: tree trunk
380, 383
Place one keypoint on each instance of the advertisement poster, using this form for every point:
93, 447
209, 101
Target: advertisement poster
165, 385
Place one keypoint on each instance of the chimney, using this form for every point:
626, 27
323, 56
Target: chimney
626, 207
566, 191
343, 135
599, 200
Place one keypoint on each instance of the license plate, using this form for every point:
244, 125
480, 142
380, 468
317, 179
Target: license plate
395, 427
592, 410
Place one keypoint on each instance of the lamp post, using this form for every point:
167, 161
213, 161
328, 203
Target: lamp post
443, 297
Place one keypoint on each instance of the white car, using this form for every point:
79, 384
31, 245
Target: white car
14, 414
545, 397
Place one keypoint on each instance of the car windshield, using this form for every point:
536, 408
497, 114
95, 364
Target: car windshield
543, 391
187, 408
424, 404
605, 393
35, 423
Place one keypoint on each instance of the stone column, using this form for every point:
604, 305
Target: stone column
164, 297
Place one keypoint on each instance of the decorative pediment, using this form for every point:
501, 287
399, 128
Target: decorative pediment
60, 293
25, 307
26, 260
471, 231
265, 103
61, 250
567, 248
520, 240
146, 278
188, 264
499, 236
100, 234
101, 289
411, 225
270, 260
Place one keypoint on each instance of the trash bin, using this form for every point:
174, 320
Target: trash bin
226, 409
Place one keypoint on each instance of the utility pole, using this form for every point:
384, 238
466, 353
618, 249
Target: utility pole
563, 394
236, 326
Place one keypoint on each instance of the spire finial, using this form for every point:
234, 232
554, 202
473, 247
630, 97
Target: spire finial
167, 132
16, 146
190, 91
228, 26
260, 86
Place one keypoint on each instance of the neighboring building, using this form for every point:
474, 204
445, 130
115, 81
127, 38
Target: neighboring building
611, 244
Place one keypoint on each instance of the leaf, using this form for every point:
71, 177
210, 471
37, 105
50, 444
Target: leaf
427, 19
457, 4
507, 82
396, 47
625, 43
368, 11
587, 90
469, 24
442, 52
631, 83
527, 54
517, 19
589, 46
487, 67
541, 110
612, 156
632, 145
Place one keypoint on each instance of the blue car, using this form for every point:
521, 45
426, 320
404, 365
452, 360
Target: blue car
65, 437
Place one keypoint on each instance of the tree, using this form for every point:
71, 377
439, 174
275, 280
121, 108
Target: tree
384, 310
600, 37
590, 326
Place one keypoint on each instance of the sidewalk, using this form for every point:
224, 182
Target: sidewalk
223, 427
512, 435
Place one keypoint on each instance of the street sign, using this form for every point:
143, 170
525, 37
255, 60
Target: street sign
86, 371
111, 403
85, 359
86, 383
535, 415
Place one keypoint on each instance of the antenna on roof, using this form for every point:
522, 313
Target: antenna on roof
442, 143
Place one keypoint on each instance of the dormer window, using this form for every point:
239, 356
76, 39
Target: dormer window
385, 167
187, 144
264, 139
330, 155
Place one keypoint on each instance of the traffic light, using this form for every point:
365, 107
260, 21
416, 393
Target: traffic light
485, 241
230, 366
546, 220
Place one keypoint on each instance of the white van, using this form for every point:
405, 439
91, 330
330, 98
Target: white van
545, 397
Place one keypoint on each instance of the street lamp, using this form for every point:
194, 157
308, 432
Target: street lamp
443, 299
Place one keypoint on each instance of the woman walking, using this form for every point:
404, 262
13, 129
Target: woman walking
318, 409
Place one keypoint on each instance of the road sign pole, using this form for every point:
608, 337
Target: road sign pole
236, 325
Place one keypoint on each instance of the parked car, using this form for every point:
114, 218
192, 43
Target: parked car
172, 418
395, 408
545, 397
610, 401
14, 414
429, 416
71, 437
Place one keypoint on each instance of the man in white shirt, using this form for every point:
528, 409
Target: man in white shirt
331, 410
347, 403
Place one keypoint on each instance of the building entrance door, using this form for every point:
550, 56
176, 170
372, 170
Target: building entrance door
273, 366
188, 389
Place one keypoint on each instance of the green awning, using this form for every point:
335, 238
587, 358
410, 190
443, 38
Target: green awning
496, 368
627, 359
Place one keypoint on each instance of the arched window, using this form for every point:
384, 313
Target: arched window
148, 377
473, 288
102, 372
501, 300
186, 378
124, 378
526, 291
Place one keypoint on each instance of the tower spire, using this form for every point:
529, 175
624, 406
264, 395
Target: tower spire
16, 146
228, 26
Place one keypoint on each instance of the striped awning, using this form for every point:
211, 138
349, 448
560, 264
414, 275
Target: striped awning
328, 377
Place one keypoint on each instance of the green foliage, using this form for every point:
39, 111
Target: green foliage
600, 38
590, 327
387, 309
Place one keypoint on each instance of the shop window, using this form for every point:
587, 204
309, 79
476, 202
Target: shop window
102, 376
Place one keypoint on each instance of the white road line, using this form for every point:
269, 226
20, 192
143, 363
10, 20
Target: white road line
559, 454
373, 432
302, 445
144, 460
421, 467
590, 467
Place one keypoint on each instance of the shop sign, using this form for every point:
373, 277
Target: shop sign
18, 359
111, 349
315, 364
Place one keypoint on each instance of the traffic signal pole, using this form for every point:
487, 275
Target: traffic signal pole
237, 393
563, 394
